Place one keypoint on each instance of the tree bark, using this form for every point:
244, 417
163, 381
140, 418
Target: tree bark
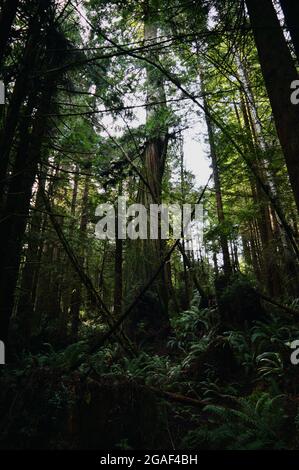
148, 253
30, 273
118, 281
270, 269
7, 16
227, 268
17, 209
118, 270
76, 300
279, 72
290, 10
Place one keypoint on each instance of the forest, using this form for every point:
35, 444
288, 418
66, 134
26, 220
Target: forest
168, 342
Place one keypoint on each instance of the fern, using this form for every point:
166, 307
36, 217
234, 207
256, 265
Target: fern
256, 422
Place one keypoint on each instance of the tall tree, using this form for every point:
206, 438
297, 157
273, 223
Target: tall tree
35, 130
17, 209
7, 15
279, 72
24, 85
290, 10
150, 186
227, 268
76, 298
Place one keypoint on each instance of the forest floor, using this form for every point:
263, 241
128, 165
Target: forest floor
212, 388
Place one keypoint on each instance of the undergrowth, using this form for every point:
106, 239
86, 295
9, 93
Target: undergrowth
245, 384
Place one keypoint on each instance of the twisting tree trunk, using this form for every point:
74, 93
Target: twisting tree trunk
278, 71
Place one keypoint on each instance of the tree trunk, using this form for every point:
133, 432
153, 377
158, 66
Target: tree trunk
188, 289
290, 10
68, 273
76, 300
7, 16
148, 253
270, 269
118, 268
279, 72
17, 209
118, 281
26, 302
227, 268
23, 86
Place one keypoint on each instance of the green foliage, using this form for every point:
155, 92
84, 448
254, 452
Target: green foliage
252, 412
255, 422
93, 145
270, 364
66, 359
240, 343
193, 324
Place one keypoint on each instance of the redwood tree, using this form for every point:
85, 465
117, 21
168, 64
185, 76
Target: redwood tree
279, 72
